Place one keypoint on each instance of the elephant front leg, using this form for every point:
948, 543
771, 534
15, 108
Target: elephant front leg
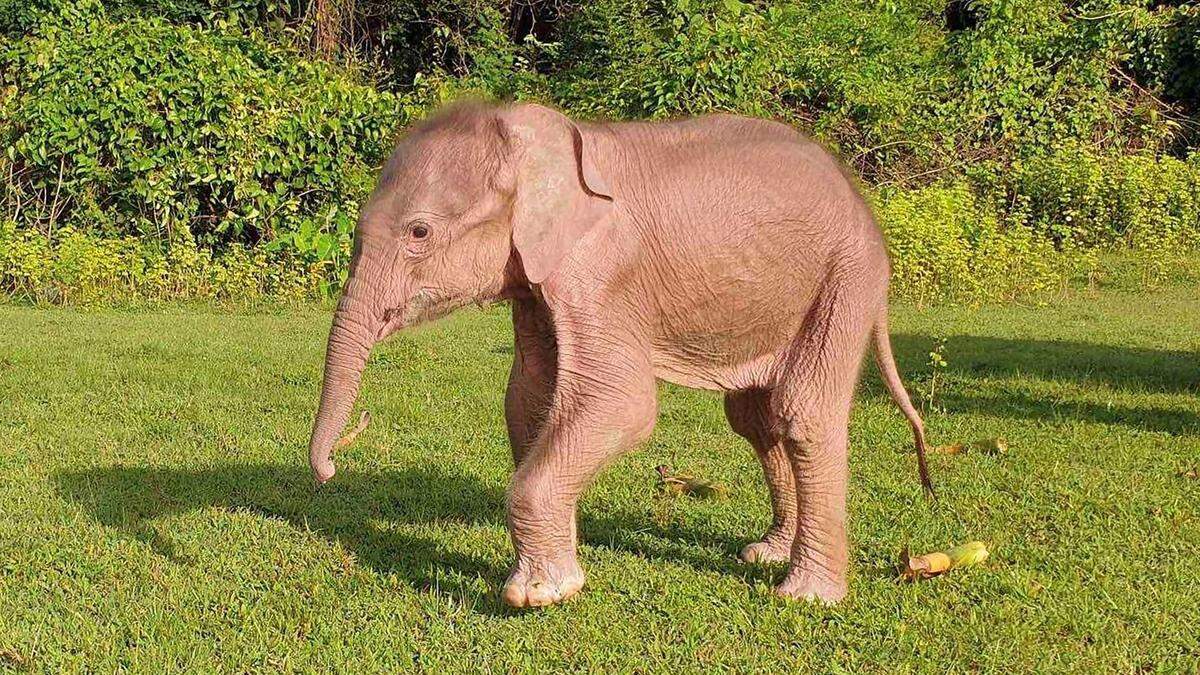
532, 376
594, 417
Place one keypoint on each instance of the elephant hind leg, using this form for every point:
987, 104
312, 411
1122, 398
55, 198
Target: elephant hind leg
749, 416
813, 400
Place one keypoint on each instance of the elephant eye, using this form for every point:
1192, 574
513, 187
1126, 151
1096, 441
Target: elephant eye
420, 231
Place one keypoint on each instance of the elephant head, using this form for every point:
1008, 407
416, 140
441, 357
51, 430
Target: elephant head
474, 204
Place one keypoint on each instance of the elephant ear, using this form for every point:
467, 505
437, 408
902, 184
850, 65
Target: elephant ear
559, 195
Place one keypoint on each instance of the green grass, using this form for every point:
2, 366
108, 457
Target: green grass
156, 509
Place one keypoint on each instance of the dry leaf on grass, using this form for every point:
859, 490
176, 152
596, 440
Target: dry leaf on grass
687, 485
991, 446
938, 562
15, 660
363, 421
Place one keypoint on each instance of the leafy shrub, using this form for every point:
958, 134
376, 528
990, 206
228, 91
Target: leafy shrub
194, 136
946, 244
869, 77
80, 268
1138, 201
1164, 53
636, 59
19, 18
905, 98
467, 39
1034, 73
145, 129
208, 12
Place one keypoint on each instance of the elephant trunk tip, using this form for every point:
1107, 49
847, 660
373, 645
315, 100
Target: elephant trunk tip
320, 456
323, 470
322, 464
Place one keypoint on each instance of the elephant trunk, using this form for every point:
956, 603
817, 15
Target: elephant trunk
350, 340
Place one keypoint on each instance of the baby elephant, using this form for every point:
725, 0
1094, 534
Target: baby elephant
720, 253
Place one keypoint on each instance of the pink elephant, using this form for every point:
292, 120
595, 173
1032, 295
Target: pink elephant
720, 253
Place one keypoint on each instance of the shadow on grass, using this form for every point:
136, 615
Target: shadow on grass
359, 511
1018, 405
354, 509
1129, 370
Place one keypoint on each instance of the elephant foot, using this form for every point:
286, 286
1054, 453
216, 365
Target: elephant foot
541, 584
812, 587
774, 548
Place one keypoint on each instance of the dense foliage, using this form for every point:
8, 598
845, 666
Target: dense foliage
171, 133
1005, 141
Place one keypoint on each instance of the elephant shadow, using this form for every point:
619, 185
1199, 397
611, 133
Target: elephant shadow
360, 510
1127, 369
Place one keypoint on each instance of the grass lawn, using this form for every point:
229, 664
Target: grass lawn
156, 507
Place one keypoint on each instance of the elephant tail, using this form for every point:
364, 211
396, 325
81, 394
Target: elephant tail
895, 387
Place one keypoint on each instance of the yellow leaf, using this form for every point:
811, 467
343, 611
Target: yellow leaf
964, 555
992, 446
687, 485
938, 562
363, 421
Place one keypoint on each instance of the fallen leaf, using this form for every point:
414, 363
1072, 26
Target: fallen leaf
1192, 473
953, 449
922, 566
687, 485
703, 489
363, 421
14, 659
992, 446
939, 562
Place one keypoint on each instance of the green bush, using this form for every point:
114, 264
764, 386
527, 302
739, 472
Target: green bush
904, 97
638, 59
1164, 54
18, 17
462, 39
1137, 201
802, 60
81, 268
166, 133
197, 136
947, 245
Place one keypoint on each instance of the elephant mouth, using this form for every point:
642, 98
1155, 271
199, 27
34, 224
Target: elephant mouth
393, 320
427, 306
422, 307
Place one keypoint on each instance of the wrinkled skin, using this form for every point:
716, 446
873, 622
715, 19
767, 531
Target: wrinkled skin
721, 253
